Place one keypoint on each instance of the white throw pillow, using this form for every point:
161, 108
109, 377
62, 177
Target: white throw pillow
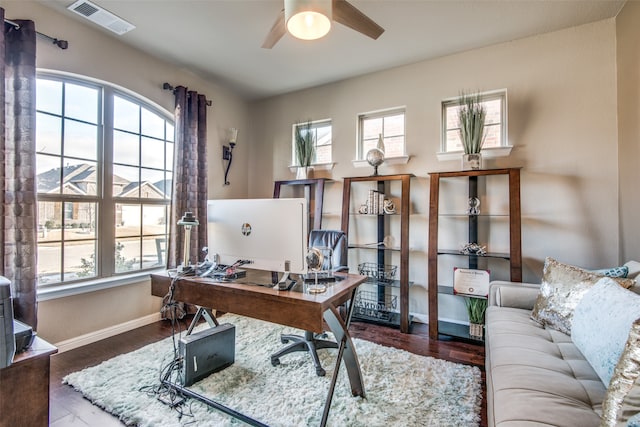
601, 324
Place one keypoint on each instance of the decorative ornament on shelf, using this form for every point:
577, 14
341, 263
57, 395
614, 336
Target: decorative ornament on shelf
473, 249
474, 206
375, 156
305, 148
471, 115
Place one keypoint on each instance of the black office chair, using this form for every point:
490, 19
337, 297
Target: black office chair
311, 342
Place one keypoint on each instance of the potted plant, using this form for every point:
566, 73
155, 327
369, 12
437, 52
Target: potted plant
305, 148
476, 308
471, 116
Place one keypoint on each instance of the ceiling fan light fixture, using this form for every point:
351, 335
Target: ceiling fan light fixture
308, 19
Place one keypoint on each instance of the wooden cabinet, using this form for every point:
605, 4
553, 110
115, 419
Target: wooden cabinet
442, 284
375, 301
24, 387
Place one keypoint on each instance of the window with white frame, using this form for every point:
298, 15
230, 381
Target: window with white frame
104, 162
495, 104
321, 130
390, 124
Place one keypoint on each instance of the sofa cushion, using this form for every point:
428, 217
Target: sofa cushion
622, 401
562, 288
536, 375
601, 324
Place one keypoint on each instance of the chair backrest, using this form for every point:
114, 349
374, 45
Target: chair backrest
334, 239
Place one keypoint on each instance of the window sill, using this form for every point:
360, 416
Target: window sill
401, 160
487, 153
62, 291
318, 167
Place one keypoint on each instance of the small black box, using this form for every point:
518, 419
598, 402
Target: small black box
206, 352
24, 335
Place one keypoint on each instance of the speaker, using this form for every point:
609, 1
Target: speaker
7, 341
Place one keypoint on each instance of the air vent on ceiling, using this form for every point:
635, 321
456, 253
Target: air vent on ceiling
101, 16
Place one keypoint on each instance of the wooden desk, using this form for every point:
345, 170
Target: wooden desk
296, 309
24, 387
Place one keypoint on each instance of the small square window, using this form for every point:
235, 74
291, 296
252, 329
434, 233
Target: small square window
322, 137
388, 124
495, 104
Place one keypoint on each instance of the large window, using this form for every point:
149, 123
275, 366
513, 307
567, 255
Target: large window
390, 125
495, 122
104, 162
321, 130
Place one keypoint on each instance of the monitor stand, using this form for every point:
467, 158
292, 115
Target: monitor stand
285, 283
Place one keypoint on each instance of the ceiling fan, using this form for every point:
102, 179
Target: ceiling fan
313, 18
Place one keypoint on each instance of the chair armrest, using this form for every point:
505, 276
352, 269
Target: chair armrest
513, 294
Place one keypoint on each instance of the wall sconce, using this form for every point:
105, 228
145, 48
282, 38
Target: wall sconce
227, 152
188, 221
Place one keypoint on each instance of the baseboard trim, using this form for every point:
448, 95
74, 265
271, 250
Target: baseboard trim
101, 334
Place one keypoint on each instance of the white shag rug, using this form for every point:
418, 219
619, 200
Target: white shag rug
402, 389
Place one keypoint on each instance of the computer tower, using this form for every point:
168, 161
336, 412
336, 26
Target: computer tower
206, 352
7, 341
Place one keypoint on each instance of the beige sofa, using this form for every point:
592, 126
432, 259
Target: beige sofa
536, 376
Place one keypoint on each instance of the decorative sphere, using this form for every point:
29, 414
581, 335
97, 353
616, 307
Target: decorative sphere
375, 157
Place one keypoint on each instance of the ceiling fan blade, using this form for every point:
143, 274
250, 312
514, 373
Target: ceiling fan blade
347, 14
277, 31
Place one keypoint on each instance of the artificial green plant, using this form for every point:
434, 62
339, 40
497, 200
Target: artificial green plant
476, 308
305, 143
471, 115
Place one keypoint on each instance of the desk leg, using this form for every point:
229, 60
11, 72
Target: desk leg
346, 350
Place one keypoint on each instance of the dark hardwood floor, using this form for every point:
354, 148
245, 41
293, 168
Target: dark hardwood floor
69, 408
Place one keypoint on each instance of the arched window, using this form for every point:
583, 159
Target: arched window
104, 162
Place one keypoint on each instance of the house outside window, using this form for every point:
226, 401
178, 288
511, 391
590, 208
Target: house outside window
388, 123
495, 103
104, 162
322, 137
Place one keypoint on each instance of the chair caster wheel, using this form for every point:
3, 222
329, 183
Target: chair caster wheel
321, 372
284, 340
275, 362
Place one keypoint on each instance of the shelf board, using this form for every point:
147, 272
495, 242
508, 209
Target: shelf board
457, 330
448, 290
393, 321
392, 284
376, 247
466, 215
488, 255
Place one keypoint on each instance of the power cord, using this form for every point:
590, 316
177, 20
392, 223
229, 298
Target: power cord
172, 371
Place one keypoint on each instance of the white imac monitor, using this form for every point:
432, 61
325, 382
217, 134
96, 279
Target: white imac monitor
271, 233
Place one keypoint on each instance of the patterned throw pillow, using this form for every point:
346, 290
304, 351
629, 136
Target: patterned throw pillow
562, 288
622, 401
622, 271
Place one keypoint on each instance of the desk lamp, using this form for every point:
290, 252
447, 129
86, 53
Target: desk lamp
188, 221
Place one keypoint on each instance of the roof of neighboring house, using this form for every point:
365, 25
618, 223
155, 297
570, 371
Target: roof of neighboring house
76, 177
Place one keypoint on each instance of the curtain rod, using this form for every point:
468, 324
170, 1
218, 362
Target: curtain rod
167, 86
62, 44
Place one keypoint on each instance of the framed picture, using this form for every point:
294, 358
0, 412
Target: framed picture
469, 281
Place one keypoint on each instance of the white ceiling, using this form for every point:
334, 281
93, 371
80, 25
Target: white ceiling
221, 39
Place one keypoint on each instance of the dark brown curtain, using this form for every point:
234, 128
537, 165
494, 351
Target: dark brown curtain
189, 174
17, 166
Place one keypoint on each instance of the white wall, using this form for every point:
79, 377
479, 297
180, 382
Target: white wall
94, 54
628, 61
562, 124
